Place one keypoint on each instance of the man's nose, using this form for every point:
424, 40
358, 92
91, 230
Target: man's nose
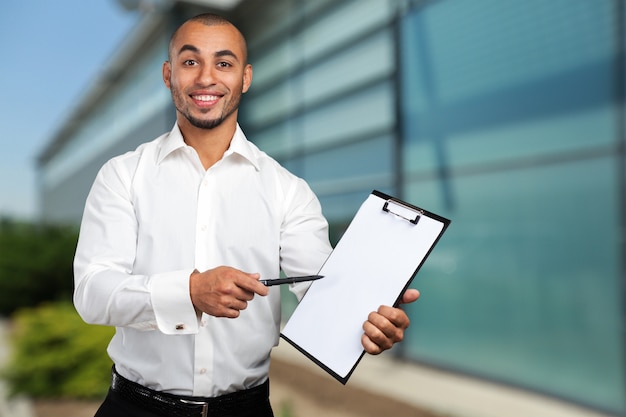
206, 75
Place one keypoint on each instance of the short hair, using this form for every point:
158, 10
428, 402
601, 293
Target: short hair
208, 19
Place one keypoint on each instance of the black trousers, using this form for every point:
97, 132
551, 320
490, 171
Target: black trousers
115, 405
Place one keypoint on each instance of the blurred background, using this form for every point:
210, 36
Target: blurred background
505, 116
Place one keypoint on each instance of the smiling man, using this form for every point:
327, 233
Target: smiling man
176, 235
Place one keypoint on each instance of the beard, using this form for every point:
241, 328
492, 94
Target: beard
199, 122
204, 123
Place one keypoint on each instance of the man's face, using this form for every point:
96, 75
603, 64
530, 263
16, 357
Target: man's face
207, 74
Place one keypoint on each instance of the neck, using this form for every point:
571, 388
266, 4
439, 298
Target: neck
210, 144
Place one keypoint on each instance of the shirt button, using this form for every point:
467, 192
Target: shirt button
203, 371
203, 228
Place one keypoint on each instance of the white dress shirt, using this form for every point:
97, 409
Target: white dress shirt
154, 215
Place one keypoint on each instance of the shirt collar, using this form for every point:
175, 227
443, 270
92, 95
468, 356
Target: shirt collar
172, 142
238, 145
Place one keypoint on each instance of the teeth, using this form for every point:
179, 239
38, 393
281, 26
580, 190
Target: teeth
205, 98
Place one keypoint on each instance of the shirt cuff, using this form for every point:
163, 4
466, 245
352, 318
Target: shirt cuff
171, 301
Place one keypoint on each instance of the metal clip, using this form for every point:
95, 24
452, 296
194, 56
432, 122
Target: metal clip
402, 210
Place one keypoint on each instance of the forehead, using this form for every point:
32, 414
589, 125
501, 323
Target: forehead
209, 39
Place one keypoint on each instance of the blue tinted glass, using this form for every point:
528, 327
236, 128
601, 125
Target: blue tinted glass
511, 122
524, 284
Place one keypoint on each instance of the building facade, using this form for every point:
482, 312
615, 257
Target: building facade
506, 117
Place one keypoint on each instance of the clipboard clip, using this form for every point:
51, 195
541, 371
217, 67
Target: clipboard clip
410, 214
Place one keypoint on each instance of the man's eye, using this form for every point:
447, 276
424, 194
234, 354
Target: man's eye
224, 64
189, 62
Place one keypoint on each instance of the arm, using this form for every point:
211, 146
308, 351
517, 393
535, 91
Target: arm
304, 236
108, 290
386, 326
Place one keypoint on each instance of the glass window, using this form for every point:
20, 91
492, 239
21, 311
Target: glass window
524, 285
511, 123
359, 114
127, 104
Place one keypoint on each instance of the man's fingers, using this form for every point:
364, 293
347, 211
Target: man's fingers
394, 316
369, 346
410, 295
224, 291
251, 283
386, 326
374, 339
383, 328
235, 310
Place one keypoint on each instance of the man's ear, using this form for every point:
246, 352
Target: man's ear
247, 78
167, 73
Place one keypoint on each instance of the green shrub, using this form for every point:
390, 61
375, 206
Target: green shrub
35, 264
57, 355
285, 409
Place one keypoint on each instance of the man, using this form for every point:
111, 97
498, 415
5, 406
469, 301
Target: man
176, 235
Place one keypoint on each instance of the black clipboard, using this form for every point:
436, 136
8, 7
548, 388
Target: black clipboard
374, 262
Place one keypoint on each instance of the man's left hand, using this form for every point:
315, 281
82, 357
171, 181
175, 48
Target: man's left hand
386, 326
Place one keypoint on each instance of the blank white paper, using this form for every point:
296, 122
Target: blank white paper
370, 266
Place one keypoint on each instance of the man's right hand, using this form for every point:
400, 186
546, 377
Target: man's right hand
224, 291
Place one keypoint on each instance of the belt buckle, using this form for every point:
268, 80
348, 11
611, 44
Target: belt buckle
205, 406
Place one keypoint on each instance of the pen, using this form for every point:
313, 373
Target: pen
290, 280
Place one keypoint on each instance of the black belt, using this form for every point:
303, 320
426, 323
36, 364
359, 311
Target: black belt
181, 406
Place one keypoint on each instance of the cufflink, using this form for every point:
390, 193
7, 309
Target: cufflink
180, 326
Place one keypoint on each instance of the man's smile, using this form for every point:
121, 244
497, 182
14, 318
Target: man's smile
205, 99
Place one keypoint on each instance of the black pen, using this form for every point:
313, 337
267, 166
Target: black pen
290, 280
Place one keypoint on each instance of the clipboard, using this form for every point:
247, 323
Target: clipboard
373, 263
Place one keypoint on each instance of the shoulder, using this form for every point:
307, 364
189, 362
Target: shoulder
294, 193
145, 150
269, 166
122, 167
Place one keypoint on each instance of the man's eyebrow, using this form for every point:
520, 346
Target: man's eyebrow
188, 47
226, 52
218, 54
